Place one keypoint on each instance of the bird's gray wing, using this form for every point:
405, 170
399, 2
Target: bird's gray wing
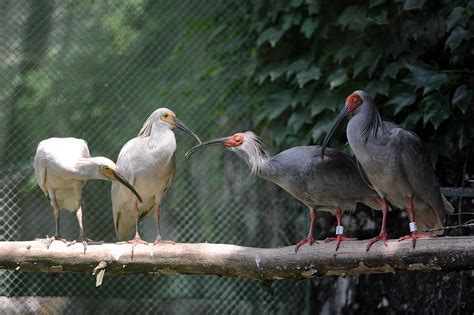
420, 174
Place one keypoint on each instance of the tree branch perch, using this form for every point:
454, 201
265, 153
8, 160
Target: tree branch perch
446, 253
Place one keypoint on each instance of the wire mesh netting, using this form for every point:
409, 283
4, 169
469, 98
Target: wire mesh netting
97, 70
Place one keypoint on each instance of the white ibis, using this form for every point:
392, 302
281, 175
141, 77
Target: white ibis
62, 167
333, 186
148, 162
397, 165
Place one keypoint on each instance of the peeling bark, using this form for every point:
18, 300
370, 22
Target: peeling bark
438, 254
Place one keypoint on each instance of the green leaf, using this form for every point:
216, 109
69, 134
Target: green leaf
401, 101
413, 4
308, 26
303, 96
313, 6
271, 35
278, 133
428, 79
337, 78
313, 73
391, 70
378, 87
277, 103
274, 71
323, 100
458, 16
411, 120
455, 38
435, 109
296, 3
296, 66
374, 3
320, 128
380, 19
298, 119
344, 52
461, 98
367, 59
353, 17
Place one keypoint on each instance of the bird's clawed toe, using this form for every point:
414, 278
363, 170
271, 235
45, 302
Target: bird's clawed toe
51, 239
85, 241
309, 240
381, 237
413, 236
339, 238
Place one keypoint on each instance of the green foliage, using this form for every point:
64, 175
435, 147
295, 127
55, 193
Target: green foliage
413, 56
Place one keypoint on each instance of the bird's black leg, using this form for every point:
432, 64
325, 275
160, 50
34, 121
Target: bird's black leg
158, 239
339, 231
413, 231
309, 239
84, 240
382, 235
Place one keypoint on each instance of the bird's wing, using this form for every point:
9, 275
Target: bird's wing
171, 173
419, 172
40, 169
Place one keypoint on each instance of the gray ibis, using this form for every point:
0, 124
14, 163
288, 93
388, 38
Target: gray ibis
397, 166
62, 167
148, 162
333, 186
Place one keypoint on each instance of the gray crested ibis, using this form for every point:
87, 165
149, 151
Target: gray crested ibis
334, 185
62, 168
396, 164
148, 162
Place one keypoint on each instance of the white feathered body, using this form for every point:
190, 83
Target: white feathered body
55, 169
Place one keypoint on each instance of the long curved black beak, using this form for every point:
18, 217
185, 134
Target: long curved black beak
206, 144
122, 180
342, 114
185, 128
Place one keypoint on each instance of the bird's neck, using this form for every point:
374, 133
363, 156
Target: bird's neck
367, 121
257, 161
86, 168
162, 136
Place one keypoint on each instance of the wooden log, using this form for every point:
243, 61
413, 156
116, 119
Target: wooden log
437, 254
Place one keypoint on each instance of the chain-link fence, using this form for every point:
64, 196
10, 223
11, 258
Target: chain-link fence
96, 70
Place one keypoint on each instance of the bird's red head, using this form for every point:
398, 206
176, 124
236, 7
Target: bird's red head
352, 102
235, 140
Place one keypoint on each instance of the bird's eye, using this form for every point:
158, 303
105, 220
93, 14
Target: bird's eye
165, 115
354, 99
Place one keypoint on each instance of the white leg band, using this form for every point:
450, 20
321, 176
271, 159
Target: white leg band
412, 226
339, 230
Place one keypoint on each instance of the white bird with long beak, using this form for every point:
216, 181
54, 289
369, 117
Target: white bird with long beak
148, 162
62, 167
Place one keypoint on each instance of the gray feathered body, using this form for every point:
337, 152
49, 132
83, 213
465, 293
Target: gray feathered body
397, 165
335, 182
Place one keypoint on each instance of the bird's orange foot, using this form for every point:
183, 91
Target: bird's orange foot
309, 240
381, 237
85, 241
51, 239
413, 236
338, 238
160, 241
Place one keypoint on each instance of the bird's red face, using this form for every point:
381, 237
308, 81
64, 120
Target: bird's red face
235, 140
352, 102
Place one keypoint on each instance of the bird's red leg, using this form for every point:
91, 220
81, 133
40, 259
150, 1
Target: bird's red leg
158, 239
339, 231
382, 235
309, 239
413, 231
